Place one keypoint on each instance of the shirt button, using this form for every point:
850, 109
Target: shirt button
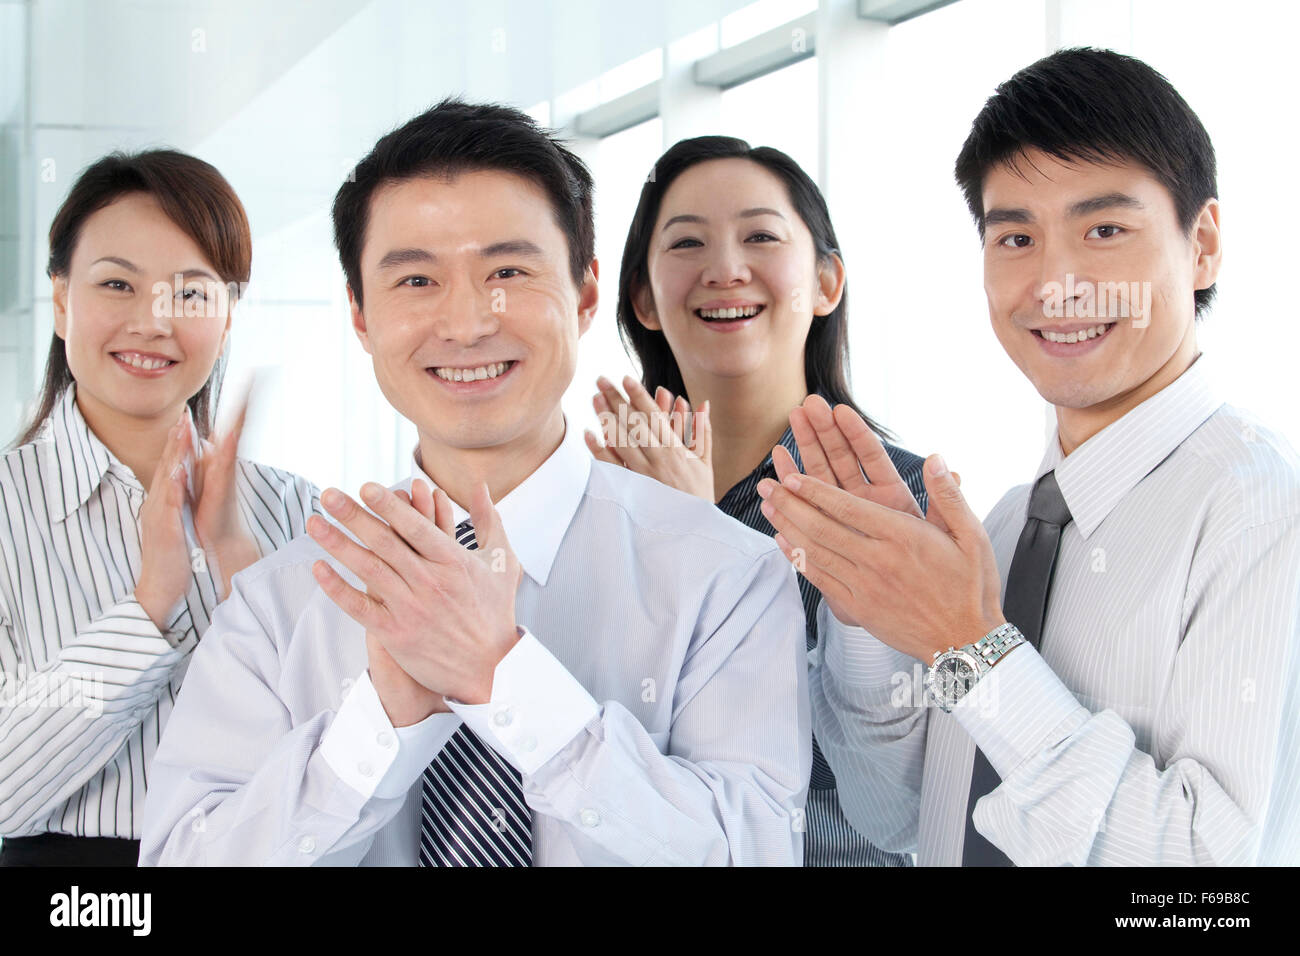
503, 717
307, 845
589, 818
365, 769
528, 744
385, 739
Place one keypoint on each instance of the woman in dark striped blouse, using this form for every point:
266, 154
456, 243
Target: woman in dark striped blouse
732, 299
121, 518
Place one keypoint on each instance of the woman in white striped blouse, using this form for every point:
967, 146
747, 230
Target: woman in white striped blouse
121, 523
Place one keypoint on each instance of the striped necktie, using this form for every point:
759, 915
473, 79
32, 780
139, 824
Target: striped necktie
1028, 583
473, 811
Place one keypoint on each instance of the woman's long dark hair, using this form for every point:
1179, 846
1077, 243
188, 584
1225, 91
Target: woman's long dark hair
826, 350
202, 204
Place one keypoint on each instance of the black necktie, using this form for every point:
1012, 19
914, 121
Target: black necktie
1025, 606
473, 811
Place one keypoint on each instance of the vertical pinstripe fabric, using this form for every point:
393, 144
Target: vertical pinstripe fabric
830, 839
88, 681
1161, 723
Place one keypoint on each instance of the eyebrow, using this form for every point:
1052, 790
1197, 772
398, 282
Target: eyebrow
743, 214
132, 267
1108, 201
115, 260
1084, 207
404, 257
511, 247
508, 247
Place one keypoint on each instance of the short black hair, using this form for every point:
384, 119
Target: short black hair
1090, 105
455, 137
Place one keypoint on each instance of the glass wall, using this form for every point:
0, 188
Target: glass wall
283, 98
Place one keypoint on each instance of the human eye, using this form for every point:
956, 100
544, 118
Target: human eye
511, 270
116, 285
686, 243
193, 292
762, 237
1114, 231
415, 282
1016, 240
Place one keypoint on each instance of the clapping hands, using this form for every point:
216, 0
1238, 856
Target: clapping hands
649, 436
919, 583
438, 617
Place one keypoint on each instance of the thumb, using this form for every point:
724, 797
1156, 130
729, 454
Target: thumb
948, 508
934, 516
489, 532
702, 443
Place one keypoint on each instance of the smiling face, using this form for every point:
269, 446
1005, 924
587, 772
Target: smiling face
137, 345
734, 279
1090, 283
471, 313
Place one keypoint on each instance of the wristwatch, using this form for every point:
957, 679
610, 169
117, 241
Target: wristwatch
956, 670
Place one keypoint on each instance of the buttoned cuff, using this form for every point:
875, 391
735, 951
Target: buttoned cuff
1018, 709
537, 707
372, 756
855, 657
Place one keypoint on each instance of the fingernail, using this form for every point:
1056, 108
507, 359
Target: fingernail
371, 493
332, 498
765, 487
792, 481
603, 382
937, 466
767, 509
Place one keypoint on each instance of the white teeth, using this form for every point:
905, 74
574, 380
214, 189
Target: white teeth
472, 374
1079, 336
140, 362
740, 313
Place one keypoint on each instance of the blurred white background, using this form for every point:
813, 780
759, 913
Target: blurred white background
284, 97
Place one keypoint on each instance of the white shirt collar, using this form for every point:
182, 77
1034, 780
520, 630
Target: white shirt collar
537, 513
79, 460
1097, 475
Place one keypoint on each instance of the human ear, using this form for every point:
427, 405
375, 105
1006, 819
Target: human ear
588, 296
643, 305
359, 321
59, 296
1208, 243
830, 284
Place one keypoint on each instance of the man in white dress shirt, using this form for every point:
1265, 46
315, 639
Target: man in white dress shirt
1147, 713
597, 670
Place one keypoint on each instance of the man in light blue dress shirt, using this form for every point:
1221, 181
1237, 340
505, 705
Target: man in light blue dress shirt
631, 656
1154, 715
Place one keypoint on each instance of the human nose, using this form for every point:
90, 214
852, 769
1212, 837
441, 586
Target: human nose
464, 315
1060, 286
726, 267
153, 315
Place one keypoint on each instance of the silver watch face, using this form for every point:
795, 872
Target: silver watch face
951, 678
